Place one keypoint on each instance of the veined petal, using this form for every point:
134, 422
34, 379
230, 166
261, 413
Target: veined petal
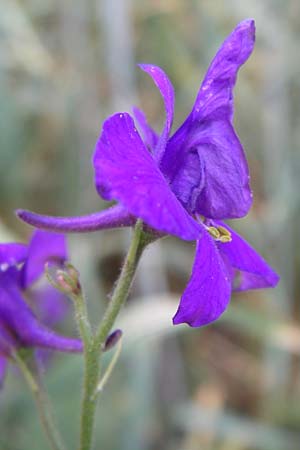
208, 291
215, 98
12, 253
18, 318
219, 188
167, 92
3, 364
115, 217
251, 271
43, 247
150, 137
126, 171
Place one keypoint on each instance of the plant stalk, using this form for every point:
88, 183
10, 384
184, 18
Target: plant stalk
93, 349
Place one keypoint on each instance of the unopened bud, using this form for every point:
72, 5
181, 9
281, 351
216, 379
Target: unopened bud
65, 280
63, 283
112, 340
72, 272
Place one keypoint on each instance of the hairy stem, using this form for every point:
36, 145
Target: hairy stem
93, 349
42, 404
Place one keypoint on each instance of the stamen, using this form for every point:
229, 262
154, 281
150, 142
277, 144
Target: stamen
224, 239
220, 234
224, 231
225, 235
214, 232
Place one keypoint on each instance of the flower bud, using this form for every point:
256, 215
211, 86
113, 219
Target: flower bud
65, 280
112, 340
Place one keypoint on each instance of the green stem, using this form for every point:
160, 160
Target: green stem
82, 317
42, 404
120, 294
92, 351
89, 401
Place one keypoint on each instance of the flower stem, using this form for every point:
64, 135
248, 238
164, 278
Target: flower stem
93, 349
82, 318
121, 292
42, 403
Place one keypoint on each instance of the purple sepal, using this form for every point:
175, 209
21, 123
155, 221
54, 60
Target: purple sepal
208, 291
12, 253
249, 270
44, 247
149, 135
204, 160
215, 97
213, 178
167, 92
127, 172
114, 217
18, 318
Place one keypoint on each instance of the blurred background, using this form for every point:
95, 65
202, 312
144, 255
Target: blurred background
66, 65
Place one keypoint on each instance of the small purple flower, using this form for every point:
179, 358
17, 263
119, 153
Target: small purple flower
183, 184
21, 267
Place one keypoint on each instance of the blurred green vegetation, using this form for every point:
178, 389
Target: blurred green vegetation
64, 66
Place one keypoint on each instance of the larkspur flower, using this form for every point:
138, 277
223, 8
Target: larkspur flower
21, 267
183, 185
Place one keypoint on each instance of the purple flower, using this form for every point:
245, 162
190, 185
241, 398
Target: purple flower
184, 184
21, 267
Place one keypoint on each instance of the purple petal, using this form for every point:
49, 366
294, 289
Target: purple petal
167, 91
3, 364
12, 254
204, 160
208, 291
126, 171
7, 340
43, 247
251, 271
20, 320
214, 177
50, 305
215, 98
150, 137
114, 217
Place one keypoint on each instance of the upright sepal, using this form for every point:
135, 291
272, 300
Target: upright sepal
215, 97
219, 188
167, 92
